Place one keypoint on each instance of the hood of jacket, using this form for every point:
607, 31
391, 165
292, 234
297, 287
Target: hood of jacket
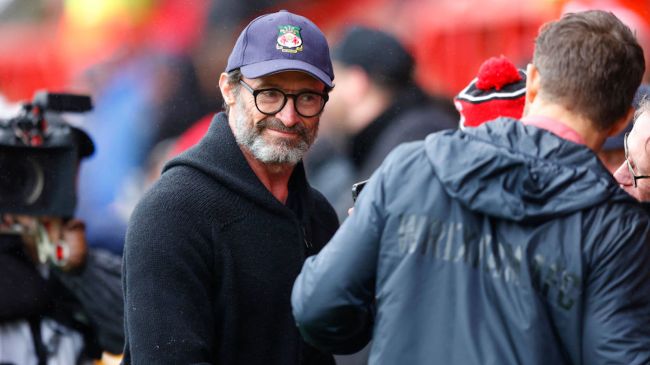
518, 172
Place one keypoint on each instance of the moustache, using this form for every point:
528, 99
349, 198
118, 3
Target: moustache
276, 124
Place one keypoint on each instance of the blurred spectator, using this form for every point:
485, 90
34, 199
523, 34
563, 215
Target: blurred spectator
499, 90
191, 136
178, 98
375, 106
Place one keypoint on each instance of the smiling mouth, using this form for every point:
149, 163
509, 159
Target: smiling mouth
284, 133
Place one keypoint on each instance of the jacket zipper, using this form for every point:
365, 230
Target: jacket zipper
304, 238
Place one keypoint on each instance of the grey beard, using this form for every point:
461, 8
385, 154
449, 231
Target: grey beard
251, 138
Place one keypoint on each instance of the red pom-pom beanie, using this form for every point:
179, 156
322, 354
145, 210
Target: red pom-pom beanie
499, 90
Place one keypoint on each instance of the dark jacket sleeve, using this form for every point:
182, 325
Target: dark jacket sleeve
25, 293
616, 323
98, 288
167, 276
332, 297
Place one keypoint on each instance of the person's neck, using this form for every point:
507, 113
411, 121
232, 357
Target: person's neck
592, 137
275, 177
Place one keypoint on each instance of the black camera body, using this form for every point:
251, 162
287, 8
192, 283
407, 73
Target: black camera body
40, 154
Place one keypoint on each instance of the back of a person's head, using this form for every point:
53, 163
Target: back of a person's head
379, 54
591, 64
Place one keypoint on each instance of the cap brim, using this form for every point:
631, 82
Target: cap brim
271, 67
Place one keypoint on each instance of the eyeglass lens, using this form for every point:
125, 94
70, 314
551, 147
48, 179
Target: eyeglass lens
271, 101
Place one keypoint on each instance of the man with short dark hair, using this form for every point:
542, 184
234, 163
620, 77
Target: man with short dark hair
508, 243
213, 248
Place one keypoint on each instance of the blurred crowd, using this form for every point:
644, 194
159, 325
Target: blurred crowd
152, 68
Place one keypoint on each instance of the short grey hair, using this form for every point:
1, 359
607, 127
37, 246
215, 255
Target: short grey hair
644, 107
233, 79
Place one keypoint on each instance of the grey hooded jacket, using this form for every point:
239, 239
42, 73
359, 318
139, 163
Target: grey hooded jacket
503, 244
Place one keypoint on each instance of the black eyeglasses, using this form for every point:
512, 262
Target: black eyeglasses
635, 177
270, 101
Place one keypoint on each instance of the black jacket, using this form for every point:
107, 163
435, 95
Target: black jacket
210, 259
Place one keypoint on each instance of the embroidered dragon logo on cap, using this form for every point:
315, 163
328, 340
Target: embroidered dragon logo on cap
289, 39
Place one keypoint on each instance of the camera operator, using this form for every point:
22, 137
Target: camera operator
61, 302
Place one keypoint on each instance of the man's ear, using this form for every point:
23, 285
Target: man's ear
226, 90
621, 123
532, 83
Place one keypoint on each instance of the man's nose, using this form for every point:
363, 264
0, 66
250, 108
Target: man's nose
288, 114
622, 175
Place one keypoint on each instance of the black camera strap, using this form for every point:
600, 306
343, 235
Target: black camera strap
39, 347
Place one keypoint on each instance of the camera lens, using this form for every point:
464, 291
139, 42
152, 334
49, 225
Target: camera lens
21, 180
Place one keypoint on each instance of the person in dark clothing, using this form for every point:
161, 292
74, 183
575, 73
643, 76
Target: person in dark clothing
62, 300
376, 106
509, 243
213, 247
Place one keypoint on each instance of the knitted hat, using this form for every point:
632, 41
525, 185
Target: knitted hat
499, 90
379, 54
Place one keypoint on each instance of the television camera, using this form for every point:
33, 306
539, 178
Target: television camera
39, 156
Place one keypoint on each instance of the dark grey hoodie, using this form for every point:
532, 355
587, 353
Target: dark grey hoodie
210, 259
503, 244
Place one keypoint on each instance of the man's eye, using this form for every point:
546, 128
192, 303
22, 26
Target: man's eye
270, 95
310, 98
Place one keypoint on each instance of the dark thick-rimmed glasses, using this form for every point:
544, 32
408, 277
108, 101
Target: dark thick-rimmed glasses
270, 101
635, 177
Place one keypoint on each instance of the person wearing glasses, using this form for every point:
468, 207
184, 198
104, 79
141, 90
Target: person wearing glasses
213, 248
634, 172
508, 243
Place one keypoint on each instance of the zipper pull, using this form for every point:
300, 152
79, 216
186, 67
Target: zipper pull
304, 238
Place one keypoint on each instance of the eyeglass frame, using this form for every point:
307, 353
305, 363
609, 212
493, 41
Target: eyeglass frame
256, 92
635, 177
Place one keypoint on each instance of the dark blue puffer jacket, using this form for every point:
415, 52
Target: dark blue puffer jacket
503, 244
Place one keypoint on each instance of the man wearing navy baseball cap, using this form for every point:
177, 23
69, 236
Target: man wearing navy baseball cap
214, 247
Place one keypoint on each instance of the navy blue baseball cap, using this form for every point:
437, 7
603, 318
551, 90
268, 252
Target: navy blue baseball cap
279, 42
